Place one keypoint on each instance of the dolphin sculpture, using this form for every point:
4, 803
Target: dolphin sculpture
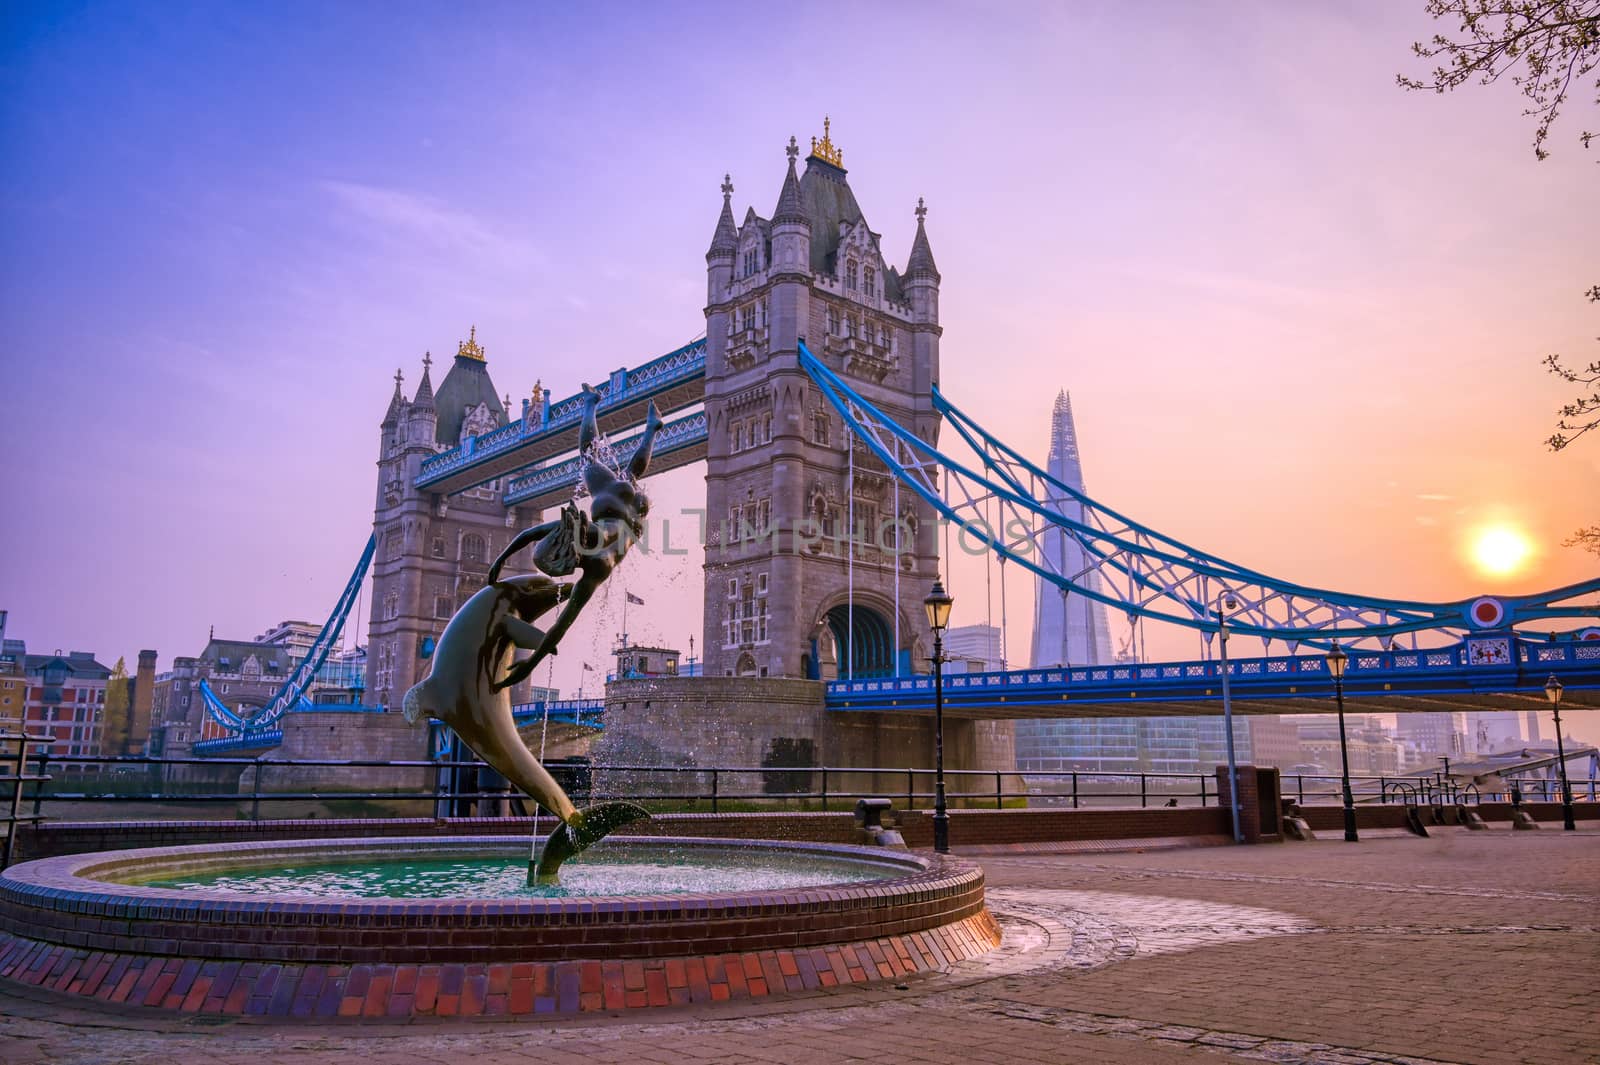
466, 689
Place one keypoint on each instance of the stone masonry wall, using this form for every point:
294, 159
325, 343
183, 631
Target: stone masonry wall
778, 722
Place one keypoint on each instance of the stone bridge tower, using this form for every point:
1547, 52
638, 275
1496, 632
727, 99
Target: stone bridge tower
790, 591
433, 552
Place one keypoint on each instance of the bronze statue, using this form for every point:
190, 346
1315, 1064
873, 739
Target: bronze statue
474, 667
593, 544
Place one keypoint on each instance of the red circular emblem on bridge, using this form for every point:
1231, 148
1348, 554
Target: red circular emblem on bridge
1487, 612
1589, 634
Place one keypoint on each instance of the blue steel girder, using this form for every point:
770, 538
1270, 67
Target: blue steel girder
586, 712
1473, 674
678, 443
674, 381
246, 741
1140, 571
292, 692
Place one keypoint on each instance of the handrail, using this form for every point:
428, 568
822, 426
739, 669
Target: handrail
17, 778
456, 791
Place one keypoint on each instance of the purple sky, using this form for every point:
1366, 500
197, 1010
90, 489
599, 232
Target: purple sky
1300, 312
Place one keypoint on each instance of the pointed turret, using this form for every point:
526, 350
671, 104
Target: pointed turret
791, 205
424, 397
790, 228
921, 263
725, 241
396, 401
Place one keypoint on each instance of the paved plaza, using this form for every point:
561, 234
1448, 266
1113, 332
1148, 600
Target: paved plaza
1464, 947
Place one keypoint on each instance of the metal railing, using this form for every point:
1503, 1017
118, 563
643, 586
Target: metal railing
464, 787
16, 774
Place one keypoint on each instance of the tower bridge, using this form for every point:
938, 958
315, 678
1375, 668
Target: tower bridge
813, 401
546, 430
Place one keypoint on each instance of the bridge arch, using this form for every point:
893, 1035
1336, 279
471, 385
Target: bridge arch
866, 632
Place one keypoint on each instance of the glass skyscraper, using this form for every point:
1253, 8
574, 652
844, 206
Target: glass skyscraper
1073, 630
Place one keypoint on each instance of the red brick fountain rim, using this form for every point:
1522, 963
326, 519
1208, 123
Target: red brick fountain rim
67, 926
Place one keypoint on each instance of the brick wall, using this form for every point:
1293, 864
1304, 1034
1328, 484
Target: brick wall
967, 828
734, 721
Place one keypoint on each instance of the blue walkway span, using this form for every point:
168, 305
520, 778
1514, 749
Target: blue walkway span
674, 381
1493, 672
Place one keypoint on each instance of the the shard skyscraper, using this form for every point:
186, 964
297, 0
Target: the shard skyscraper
1067, 629
1071, 630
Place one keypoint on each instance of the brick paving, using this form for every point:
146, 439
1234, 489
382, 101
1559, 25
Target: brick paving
1464, 947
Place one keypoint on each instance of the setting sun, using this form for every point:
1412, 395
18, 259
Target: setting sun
1500, 550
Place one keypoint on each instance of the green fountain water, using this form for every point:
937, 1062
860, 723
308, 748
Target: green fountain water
611, 870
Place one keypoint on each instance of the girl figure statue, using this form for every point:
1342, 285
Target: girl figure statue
593, 544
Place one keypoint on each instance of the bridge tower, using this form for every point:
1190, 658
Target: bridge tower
788, 591
433, 551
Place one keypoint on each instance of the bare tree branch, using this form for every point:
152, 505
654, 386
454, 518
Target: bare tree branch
1543, 44
1582, 414
1586, 538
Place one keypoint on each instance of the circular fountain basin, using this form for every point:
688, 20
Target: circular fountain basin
278, 912
611, 868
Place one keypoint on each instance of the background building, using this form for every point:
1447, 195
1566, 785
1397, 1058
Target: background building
1274, 741
1067, 630
973, 648
1490, 731
64, 695
1073, 630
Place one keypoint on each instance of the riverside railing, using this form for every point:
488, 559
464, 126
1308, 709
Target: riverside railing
254, 786
16, 775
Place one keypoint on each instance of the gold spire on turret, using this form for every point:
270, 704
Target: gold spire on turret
470, 348
824, 148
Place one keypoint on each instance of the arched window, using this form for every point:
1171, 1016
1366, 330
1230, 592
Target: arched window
850, 276
472, 549
869, 282
833, 321
392, 543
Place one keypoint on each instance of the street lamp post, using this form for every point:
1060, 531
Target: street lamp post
1337, 660
938, 606
1552, 690
1225, 603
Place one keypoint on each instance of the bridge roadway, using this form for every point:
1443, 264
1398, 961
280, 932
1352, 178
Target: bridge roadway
675, 381
1467, 676
678, 443
1376, 682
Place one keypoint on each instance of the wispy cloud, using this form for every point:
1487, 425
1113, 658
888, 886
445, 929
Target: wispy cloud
426, 223
1431, 497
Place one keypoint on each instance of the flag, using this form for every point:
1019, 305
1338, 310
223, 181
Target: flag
588, 668
635, 600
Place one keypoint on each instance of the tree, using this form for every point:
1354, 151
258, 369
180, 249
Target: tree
1544, 45
1588, 539
115, 715
1582, 414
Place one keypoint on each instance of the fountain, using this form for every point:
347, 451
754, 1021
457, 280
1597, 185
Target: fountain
470, 926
